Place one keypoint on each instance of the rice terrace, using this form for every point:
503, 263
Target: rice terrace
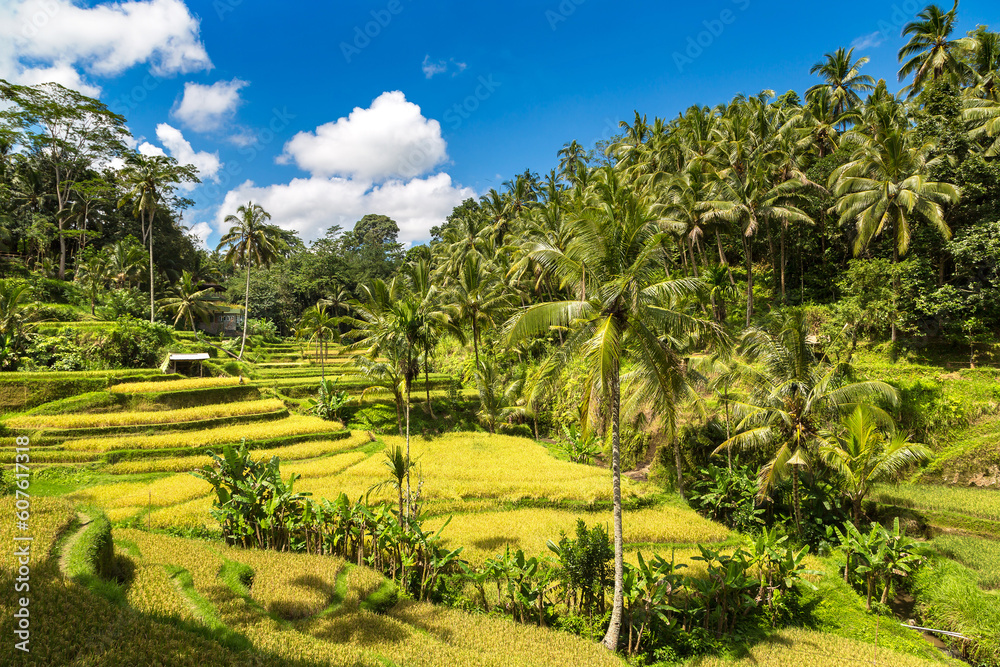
386, 334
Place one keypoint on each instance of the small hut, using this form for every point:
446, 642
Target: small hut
186, 364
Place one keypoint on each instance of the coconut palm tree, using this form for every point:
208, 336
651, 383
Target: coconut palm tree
149, 180
612, 266
395, 333
843, 79
864, 454
320, 327
885, 186
479, 297
788, 395
187, 302
126, 260
931, 52
251, 241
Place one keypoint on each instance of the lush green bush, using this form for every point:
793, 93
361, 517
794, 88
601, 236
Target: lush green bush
134, 343
122, 303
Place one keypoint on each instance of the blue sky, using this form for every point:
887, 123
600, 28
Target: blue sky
325, 111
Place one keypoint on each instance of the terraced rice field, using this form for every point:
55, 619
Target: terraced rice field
146, 418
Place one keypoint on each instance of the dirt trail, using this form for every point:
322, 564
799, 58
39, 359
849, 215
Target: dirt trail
67, 546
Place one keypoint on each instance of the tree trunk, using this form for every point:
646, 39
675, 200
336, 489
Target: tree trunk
409, 497
427, 379
722, 258
748, 250
795, 500
895, 286
475, 339
677, 462
784, 297
152, 303
246, 306
614, 627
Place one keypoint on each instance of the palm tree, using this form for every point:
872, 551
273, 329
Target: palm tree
479, 297
317, 324
187, 302
884, 186
125, 260
93, 274
149, 180
251, 241
983, 47
865, 455
843, 79
613, 266
931, 52
788, 395
750, 200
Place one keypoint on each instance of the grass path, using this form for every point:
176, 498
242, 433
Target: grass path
71, 540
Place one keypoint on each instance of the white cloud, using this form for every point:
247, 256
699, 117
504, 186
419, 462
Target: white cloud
201, 230
179, 148
54, 40
311, 205
432, 68
391, 139
870, 41
206, 108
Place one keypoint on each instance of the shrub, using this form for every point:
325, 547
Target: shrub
134, 343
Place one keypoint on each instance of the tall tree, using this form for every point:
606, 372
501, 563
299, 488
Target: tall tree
885, 186
789, 394
149, 180
251, 241
69, 134
613, 267
931, 53
843, 79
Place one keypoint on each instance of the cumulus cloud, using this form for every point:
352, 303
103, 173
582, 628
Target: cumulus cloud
54, 40
389, 140
311, 205
201, 231
206, 108
207, 164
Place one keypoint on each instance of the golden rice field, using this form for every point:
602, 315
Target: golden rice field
982, 503
808, 648
162, 492
478, 465
304, 450
484, 534
173, 385
211, 437
411, 634
144, 418
48, 518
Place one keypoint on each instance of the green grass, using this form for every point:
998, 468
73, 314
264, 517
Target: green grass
951, 600
978, 554
978, 503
